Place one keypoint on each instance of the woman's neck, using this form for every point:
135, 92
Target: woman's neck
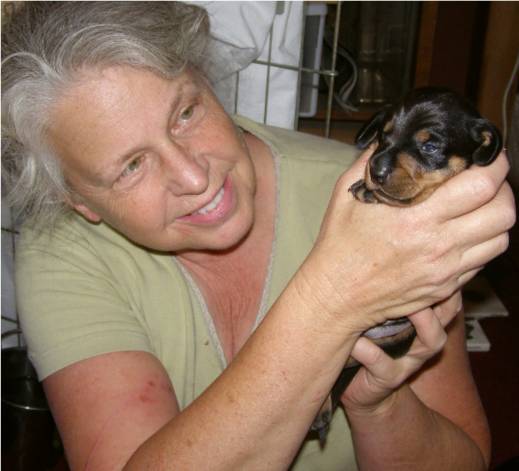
232, 282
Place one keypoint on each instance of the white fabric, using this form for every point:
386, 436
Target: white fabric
241, 33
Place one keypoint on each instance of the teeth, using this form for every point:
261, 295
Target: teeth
212, 204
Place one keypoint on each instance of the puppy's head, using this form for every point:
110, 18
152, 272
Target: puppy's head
423, 141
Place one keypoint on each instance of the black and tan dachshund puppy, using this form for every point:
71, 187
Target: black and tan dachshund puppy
430, 136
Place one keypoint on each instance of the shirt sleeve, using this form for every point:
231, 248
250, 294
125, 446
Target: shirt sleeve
70, 304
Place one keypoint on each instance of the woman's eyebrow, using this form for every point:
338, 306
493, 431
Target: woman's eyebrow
182, 90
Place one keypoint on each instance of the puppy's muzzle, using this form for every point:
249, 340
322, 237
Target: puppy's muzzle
380, 167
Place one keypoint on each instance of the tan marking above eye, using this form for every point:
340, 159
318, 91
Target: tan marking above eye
388, 127
423, 135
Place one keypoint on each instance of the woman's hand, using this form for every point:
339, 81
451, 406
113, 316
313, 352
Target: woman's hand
373, 262
372, 387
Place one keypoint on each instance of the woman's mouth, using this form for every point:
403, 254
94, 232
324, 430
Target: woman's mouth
209, 207
216, 210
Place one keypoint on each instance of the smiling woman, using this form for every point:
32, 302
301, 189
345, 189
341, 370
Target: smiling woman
168, 134
191, 284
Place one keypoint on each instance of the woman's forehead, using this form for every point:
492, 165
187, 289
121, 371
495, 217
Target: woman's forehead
113, 85
112, 96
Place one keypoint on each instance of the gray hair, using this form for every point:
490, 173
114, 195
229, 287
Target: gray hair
45, 45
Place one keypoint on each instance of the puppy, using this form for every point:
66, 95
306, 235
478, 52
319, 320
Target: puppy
422, 142
430, 136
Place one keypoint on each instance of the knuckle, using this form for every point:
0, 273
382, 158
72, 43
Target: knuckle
510, 217
443, 246
506, 160
444, 292
443, 288
503, 242
440, 344
484, 186
440, 271
376, 355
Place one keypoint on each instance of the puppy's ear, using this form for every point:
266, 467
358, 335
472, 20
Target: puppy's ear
368, 132
489, 139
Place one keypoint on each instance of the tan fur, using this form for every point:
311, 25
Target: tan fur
457, 164
388, 127
411, 183
422, 135
487, 138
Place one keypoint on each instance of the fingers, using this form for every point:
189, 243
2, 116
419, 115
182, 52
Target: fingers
488, 221
430, 339
449, 308
481, 254
467, 276
381, 374
469, 189
430, 332
381, 368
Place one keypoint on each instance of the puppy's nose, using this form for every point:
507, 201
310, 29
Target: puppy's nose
380, 170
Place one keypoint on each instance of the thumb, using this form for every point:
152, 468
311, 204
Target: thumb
358, 168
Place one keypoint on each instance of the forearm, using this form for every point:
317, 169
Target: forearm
405, 434
257, 413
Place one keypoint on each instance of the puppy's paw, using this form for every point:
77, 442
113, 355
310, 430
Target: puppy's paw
321, 423
361, 192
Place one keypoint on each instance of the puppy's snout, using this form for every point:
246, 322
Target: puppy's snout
380, 168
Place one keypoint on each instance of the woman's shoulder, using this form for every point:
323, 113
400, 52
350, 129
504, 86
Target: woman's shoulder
299, 145
74, 241
68, 231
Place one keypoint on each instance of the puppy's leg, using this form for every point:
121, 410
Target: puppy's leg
321, 423
360, 192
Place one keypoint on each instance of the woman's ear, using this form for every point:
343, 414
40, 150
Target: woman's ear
78, 204
489, 139
86, 212
368, 132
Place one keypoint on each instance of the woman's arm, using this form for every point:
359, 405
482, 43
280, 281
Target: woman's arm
118, 407
434, 421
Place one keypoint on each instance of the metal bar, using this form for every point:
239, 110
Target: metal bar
267, 84
295, 125
330, 73
17, 331
332, 77
10, 231
236, 92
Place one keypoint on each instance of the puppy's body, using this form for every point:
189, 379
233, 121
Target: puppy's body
430, 136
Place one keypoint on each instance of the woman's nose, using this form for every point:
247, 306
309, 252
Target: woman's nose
184, 171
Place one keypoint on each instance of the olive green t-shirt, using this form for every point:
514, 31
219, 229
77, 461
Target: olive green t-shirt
83, 289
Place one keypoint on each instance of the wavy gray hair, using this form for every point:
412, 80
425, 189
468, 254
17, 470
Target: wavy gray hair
44, 47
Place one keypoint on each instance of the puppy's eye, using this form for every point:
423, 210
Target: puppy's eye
429, 147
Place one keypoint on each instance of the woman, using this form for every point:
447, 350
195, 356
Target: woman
191, 311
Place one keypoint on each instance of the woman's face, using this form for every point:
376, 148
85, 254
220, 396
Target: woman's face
159, 160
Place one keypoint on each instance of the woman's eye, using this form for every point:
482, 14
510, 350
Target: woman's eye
132, 167
187, 113
429, 147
